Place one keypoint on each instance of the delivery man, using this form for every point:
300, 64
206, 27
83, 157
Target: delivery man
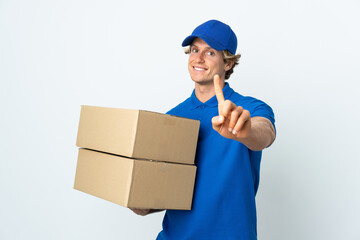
234, 129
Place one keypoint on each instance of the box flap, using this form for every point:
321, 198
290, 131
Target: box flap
175, 141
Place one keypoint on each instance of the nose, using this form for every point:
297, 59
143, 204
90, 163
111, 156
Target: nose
199, 57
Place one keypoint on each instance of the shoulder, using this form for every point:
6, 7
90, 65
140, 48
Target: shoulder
248, 101
255, 106
180, 108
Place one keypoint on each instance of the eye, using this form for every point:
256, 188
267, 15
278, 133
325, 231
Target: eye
194, 50
211, 53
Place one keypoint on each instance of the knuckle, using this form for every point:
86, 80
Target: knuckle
239, 111
227, 104
235, 113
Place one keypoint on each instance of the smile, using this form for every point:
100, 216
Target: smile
199, 68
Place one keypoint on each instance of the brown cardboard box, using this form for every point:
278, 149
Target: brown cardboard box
135, 183
138, 134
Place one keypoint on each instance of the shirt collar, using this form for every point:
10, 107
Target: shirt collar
212, 102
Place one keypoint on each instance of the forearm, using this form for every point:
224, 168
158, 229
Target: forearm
261, 135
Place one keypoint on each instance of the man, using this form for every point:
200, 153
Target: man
233, 131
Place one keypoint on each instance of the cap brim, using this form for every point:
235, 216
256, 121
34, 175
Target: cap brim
188, 40
213, 44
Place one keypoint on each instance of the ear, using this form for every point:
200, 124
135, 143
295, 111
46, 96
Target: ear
228, 65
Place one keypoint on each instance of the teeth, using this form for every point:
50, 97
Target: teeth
199, 69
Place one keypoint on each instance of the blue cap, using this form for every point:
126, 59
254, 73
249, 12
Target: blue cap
216, 34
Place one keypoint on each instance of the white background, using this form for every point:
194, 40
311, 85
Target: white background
301, 57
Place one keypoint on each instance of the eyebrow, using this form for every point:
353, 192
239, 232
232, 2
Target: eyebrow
207, 48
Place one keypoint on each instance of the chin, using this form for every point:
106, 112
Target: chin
202, 81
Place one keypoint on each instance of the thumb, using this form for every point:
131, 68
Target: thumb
217, 121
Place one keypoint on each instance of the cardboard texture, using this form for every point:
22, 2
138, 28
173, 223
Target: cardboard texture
138, 134
135, 183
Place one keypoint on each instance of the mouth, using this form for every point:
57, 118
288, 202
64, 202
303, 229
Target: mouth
201, 69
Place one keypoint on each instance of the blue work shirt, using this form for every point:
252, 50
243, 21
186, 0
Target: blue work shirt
227, 177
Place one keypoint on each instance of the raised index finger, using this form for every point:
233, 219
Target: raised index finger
218, 90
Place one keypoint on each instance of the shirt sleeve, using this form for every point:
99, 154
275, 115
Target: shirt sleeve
258, 108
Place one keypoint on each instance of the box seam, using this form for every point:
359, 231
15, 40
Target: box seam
136, 133
130, 185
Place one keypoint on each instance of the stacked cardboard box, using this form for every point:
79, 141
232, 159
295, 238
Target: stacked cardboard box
136, 158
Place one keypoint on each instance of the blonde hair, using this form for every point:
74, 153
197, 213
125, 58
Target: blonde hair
228, 57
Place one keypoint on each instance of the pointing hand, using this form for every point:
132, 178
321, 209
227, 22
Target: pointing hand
233, 121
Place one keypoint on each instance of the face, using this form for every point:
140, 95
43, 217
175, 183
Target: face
205, 62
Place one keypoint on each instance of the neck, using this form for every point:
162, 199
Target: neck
204, 92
